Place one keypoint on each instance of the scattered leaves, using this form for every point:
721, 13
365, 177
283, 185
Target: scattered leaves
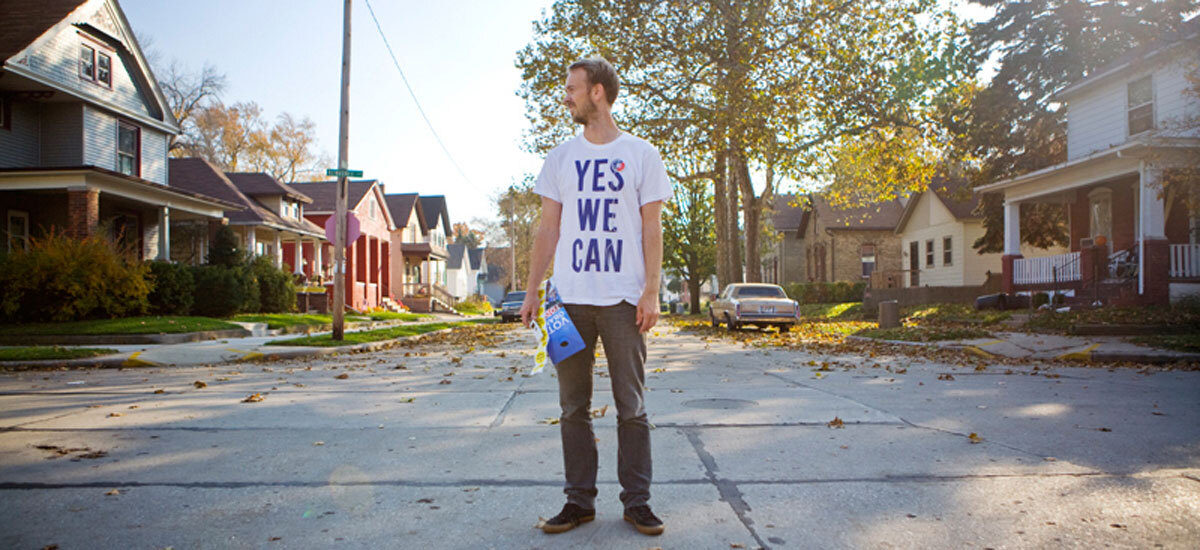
945, 376
836, 423
200, 384
342, 376
253, 398
974, 438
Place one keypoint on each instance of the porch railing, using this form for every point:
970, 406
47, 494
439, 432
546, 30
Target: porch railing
428, 290
1185, 261
1047, 269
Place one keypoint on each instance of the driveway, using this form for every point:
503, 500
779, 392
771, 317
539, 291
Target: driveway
447, 444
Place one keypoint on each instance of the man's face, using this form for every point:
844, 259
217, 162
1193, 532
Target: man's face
577, 97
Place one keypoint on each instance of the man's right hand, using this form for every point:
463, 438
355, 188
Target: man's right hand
529, 308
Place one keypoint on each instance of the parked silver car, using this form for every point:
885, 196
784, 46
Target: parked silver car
762, 305
510, 307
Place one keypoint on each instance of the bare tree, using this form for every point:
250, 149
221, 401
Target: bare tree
187, 94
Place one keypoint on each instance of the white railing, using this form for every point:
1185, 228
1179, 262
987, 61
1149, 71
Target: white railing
1185, 260
1032, 271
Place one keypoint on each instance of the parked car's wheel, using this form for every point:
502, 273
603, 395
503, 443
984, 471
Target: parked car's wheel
733, 325
713, 319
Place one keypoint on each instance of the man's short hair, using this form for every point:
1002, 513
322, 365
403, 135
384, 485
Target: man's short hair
600, 71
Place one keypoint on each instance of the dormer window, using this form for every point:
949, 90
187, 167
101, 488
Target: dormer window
87, 62
104, 69
1140, 104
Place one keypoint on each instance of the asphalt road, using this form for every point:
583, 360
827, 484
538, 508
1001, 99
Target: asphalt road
442, 446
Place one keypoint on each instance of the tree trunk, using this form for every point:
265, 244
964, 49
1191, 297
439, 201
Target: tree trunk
693, 284
752, 208
733, 236
721, 212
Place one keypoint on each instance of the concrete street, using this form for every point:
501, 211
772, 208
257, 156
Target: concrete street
445, 444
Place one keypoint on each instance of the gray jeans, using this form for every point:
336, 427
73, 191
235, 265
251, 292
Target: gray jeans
625, 349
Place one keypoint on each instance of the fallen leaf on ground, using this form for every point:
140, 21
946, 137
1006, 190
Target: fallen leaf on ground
342, 376
974, 437
113, 493
408, 399
549, 420
160, 391
425, 500
836, 423
318, 443
444, 381
253, 398
946, 377
659, 369
200, 384
599, 413
113, 414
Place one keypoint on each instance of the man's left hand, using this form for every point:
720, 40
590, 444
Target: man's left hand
647, 312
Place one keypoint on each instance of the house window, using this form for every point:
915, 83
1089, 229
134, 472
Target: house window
87, 62
867, 254
129, 139
1139, 96
929, 253
947, 251
18, 230
104, 69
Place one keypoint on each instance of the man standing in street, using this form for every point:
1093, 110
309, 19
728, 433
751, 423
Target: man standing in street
602, 193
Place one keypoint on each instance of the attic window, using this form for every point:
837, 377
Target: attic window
87, 62
104, 69
1140, 105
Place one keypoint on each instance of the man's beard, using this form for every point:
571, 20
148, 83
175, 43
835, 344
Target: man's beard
584, 112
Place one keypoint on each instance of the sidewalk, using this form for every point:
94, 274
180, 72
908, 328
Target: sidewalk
225, 350
1023, 345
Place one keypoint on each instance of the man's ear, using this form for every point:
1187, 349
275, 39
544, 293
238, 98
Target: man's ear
597, 95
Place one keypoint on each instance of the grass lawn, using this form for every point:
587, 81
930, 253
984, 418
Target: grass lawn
473, 308
285, 320
393, 316
1175, 315
353, 338
127, 325
844, 310
953, 313
924, 333
39, 353
1178, 342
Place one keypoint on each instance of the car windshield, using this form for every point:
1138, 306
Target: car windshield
760, 291
514, 297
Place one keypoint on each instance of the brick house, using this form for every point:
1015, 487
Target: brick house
84, 133
1131, 240
785, 263
851, 244
419, 271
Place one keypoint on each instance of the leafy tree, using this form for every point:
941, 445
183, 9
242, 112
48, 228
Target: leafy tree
464, 235
226, 249
519, 208
689, 239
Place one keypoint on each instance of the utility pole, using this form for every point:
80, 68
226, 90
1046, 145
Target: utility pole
339, 236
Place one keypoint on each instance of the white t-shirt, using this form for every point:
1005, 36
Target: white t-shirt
602, 188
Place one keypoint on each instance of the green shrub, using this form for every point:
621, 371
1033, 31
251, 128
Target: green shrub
226, 249
826, 293
223, 291
174, 289
474, 305
276, 291
66, 279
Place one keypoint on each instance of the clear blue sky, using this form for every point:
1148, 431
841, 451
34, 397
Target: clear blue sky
457, 54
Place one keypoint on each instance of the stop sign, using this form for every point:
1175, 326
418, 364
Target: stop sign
352, 229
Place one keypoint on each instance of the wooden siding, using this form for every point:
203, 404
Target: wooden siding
100, 138
1097, 118
62, 134
19, 144
154, 155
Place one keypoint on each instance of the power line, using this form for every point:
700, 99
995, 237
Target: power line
414, 96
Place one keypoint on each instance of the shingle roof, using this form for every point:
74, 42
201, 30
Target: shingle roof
26, 20
872, 217
435, 206
401, 206
788, 217
457, 253
476, 257
200, 176
258, 183
324, 193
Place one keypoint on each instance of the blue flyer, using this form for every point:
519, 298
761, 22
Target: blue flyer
564, 337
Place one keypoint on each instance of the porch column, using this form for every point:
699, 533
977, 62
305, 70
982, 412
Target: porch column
278, 250
251, 241
378, 270
1012, 244
299, 256
1153, 250
368, 270
318, 267
164, 234
386, 262
83, 212
351, 272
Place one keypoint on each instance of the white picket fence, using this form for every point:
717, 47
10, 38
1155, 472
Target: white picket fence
1185, 260
1032, 271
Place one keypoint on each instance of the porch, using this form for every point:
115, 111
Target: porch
424, 279
1131, 241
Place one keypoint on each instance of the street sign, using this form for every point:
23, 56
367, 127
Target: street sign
338, 173
352, 229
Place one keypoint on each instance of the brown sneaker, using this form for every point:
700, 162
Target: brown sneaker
571, 516
644, 520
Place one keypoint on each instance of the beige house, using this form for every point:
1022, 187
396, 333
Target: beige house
850, 244
937, 230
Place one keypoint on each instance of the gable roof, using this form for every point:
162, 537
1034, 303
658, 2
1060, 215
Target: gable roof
787, 217
324, 194
258, 183
457, 253
475, 255
435, 206
26, 20
872, 217
201, 176
401, 206
957, 196
1167, 42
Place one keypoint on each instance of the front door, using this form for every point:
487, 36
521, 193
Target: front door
914, 264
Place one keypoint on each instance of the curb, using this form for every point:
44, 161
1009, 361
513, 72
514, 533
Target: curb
1087, 354
121, 339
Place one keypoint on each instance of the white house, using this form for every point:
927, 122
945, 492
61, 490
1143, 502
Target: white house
84, 131
1128, 125
459, 277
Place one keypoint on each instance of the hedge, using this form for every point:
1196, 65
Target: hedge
826, 293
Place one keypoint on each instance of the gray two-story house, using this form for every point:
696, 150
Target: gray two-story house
84, 131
